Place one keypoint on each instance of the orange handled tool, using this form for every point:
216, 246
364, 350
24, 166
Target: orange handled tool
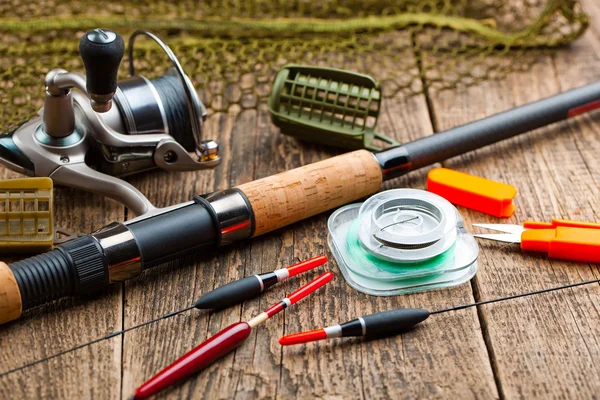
569, 240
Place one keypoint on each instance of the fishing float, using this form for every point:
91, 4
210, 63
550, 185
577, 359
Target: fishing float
394, 322
251, 286
221, 343
225, 296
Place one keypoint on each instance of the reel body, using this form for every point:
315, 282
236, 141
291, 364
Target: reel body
80, 140
402, 241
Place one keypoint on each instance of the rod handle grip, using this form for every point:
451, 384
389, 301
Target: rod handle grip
11, 305
75, 267
300, 193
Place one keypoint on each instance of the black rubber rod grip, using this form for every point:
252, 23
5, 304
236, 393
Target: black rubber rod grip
444, 145
76, 267
182, 231
81, 266
231, 294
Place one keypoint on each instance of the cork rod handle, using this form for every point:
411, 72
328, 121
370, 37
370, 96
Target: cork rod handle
294, 195
10, 295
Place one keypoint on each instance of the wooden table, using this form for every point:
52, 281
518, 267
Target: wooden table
545, 346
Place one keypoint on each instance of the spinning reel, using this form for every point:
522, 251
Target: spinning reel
81, 139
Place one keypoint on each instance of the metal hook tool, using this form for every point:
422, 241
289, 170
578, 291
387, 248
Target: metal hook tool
565, 239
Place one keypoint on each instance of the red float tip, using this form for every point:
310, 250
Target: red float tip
310, 287
299, 294
303, 337
135, 396
306, 265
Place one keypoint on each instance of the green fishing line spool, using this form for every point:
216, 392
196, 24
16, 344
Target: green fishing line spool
328, 106
402, 241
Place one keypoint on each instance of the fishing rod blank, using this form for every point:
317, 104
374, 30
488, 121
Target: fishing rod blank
121, 251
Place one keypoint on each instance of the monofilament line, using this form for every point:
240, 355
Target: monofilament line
516, 296
110, 335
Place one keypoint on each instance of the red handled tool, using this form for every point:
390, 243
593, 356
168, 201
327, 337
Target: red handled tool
221, 343
565, 239
251, 286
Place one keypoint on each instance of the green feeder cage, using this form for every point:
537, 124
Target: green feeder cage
328, 106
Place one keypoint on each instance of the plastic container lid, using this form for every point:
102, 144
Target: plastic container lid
425, 246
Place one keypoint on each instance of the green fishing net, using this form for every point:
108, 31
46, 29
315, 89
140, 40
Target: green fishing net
232, 49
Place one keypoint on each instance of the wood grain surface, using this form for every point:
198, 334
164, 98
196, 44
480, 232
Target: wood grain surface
94, 372
539, 347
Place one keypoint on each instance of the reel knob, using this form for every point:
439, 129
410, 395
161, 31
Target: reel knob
101, 51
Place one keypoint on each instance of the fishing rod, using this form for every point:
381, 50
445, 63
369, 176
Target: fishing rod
386, 323
121, 251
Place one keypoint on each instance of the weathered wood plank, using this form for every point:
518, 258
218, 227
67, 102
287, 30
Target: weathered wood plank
592, 8
543, 346
93, 372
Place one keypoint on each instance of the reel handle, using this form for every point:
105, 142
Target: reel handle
101, 51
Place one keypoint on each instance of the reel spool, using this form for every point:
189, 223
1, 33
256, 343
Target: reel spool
402, 241
327, 106
168, 104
